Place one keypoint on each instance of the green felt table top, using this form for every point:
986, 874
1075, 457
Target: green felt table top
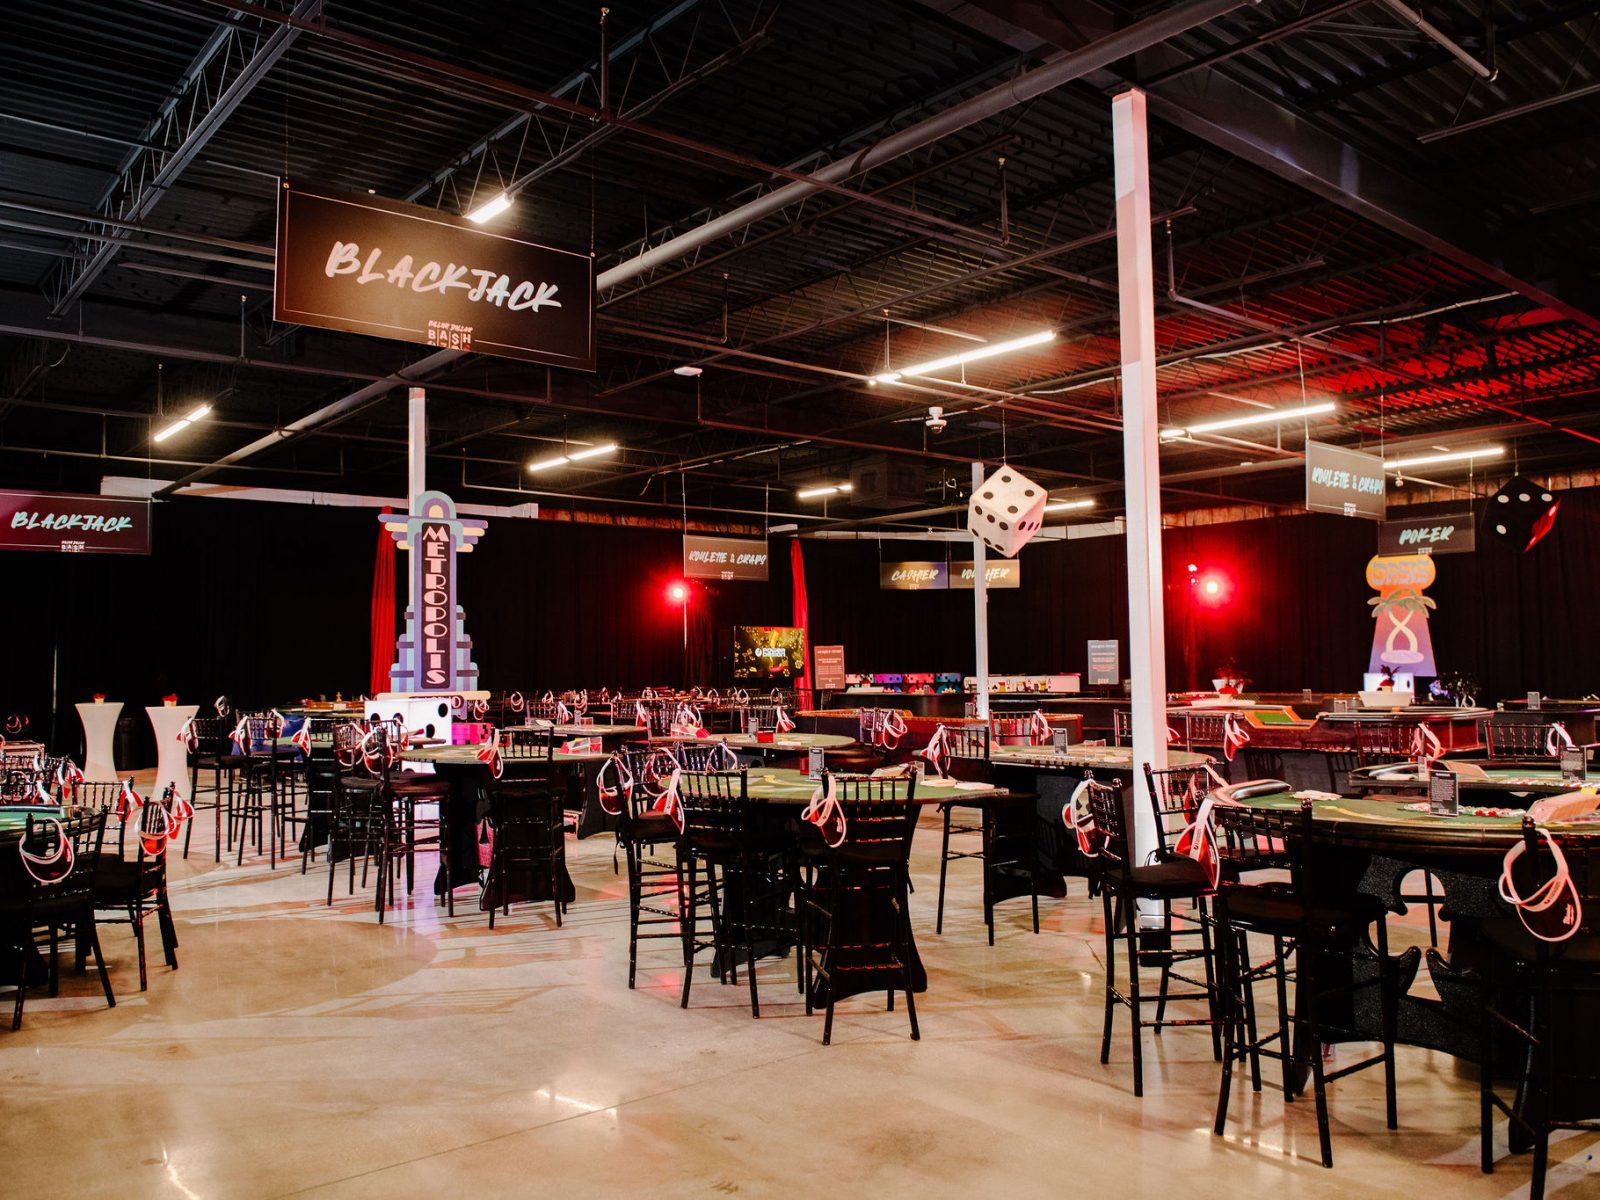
14, 818
587, 730
1542, 777
796, 787
1379, 820
467, 756
780, 743
1110, 758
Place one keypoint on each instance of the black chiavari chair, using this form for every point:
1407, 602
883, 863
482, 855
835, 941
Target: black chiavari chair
135, 885
527, 856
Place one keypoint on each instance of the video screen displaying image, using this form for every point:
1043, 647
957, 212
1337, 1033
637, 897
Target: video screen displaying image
763, 652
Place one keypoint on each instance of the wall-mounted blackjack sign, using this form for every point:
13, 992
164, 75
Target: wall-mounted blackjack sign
363, 264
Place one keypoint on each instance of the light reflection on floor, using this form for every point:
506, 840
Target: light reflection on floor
303, 1049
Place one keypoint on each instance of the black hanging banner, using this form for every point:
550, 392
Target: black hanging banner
1439, 533
363, 264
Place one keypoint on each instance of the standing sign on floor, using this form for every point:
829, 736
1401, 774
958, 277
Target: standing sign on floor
827, 667
1105, 662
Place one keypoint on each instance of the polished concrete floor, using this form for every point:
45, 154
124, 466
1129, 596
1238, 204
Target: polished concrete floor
303, 1050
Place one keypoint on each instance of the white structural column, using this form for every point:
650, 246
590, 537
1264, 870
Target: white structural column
980, 608
416, 464
1140, 448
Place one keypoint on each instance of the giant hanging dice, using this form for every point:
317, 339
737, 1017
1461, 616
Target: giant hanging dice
1007, 510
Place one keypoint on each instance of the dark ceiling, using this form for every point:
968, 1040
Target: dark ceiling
1350, 211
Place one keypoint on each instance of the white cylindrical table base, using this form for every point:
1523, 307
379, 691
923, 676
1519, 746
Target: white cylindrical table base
99, 734
172, 759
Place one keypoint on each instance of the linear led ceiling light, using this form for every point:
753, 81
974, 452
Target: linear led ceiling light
1264, 417
831, 489
489, 209
966, 356
1064, 505
182, 423
572, 456
1443, 456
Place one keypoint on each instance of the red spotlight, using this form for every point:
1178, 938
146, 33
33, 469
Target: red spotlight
678, 593
1213, 588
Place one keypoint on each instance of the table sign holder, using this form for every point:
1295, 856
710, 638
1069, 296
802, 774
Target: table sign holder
1444, 793
1341, 704
1058, 740
816, 762
1535, 701
1574, 764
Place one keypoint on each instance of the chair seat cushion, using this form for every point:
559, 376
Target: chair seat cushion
1171, 877
1273, 908
1508, 936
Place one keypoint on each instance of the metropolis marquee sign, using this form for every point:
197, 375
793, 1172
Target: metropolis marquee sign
73, 524
434, 652
362, 264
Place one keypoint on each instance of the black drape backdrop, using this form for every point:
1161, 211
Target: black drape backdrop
270, 602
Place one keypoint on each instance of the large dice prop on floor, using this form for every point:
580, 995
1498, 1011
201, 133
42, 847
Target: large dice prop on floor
1007, 510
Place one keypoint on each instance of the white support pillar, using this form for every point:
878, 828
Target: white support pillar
416, 463
1140, 446
980, 609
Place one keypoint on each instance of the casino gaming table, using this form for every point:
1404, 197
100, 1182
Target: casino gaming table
1371, 843
1505, 781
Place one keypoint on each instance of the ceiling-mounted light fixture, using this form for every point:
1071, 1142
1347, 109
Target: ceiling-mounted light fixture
688, 372
831, 489
966, 356
182, 423
490, 209
572, 456
1064, 505
1443, 456
1264, 417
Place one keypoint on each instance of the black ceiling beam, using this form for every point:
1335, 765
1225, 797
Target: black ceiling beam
1268, 134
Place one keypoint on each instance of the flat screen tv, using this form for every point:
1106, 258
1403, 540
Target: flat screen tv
768, 652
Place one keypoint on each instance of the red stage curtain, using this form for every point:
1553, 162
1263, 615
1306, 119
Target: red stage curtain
802, 617
382, 611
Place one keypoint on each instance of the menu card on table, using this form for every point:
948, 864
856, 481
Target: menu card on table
1444, 793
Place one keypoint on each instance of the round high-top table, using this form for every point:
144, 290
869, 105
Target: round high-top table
99, 739
1370, 843
172, 758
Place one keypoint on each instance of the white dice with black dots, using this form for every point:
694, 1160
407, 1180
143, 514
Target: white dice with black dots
1007, 510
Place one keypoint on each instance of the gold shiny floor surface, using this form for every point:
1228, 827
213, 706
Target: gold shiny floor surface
303, 1050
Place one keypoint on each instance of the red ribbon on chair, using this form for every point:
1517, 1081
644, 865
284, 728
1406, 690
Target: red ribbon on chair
1425, 744
669, 801
68, 776
825, 812
128, 802
301, 739
1173, 736
937, 752
740, 696
240, 737
892, 728
612, 797
1556, 739
1547, 897
189, 738
515, 702
563, 713
1075, 815
1199, 839
41, 794
580, 702
641, 714
686, 722
1038, 728
61, 854
1235, 737
480, 709
489, 755
784, 722
16, 723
